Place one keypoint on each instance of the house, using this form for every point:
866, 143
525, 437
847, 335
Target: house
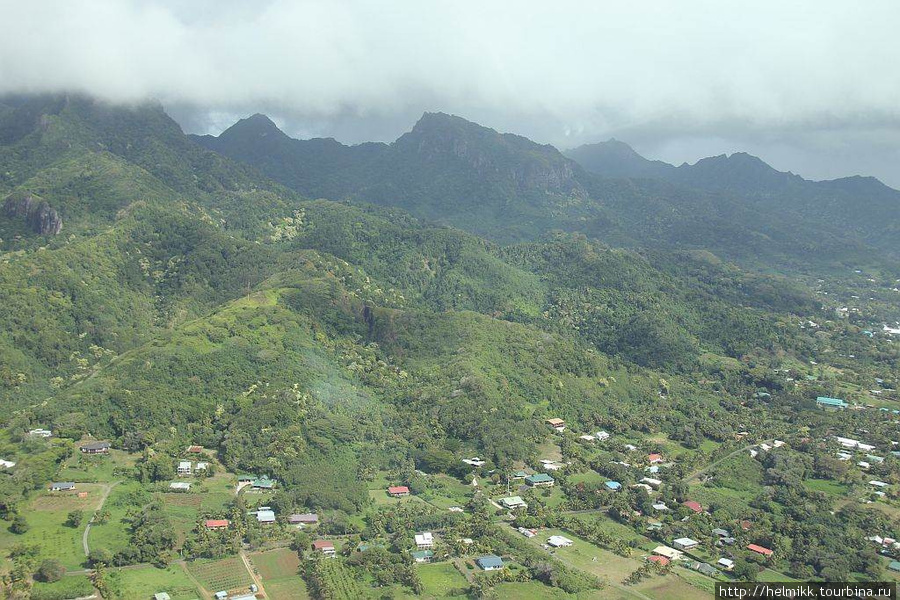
550, 466
540, 480
265, 517
726, 564
513, 502
194, 449
694, 506
303, 519
490, 562
180, 486
222, 595
423, 556
721, 533
670, 553
586, 438
630, 447
250, 596
201, 466
398, 491
894, 566
654, 483
601, 436
827, 403
424, 540
660, 560
875, 459
45, 433
263, 483
324, 546
184, 467
728, 541
654, 458
642, 486
558, 541
161, 596
519, 475
660, 506
878, 484
863, 464
216, 524
95, 448
245, 478
760, 550
557, 424
62, 486
7, 464
685, 543
707, 569
529, 533
652, 470
456, 509
474, 462
614, 486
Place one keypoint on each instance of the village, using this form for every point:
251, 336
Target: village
641, 516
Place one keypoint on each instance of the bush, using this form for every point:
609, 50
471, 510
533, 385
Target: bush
50, 570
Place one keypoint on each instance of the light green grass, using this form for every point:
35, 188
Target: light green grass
276, 564
832, 488
442, 580
129, 584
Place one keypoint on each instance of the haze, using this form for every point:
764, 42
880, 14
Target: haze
810, 87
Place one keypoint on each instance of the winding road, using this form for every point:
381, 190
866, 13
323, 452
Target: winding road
87, 530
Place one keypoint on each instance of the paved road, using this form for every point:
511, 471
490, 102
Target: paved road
87, 530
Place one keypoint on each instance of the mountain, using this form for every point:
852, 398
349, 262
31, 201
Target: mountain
862, 207
450, 171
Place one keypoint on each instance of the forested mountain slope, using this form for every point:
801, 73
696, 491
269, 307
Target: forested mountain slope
510, 189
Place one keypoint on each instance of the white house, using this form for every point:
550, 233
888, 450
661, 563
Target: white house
184, 467
878, 484
424, 540
654, 483
474, 461
7, 464
670, 553
601, 436
265, 516
180, 486
558, 541
40, 433
685, 543
726, 564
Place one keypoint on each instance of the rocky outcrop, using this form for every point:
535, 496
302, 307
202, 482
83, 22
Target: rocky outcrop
39, 215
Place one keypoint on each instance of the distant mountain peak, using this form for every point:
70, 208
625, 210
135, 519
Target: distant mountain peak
257, 125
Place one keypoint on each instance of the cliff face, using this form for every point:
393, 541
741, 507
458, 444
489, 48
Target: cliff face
39, 216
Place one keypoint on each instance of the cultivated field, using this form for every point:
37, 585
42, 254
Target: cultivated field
225, 574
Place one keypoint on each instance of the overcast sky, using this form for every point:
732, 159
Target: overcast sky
809, 86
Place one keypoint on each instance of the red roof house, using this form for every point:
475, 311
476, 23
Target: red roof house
217, 523
655, 458
398, 490
760, 550
195, 449
324, 546
694, 506
661, 560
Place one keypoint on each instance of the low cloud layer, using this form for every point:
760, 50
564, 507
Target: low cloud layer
812, 82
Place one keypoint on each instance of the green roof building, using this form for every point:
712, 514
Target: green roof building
826, 402
539, 480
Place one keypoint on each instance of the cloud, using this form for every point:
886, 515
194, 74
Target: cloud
562, 71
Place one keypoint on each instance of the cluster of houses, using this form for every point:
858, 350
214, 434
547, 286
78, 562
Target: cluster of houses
187, 468
663, 555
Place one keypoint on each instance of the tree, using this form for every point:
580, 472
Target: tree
100, 556
74, 518
19, 525
50, 570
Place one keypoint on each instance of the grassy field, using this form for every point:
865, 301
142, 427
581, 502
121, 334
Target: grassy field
670, 587
96, 468
381, 497
47, 530
127, 584
225, 574
276, 564
292, 588
582, 553
67, 587
442, 580
832, 488
113, 535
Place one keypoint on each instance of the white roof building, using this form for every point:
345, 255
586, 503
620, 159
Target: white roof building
180, 485
513, 502
7, 464
876, 483
424, 540
601, 436
726, 563
670, 553
558, 541
685, 543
